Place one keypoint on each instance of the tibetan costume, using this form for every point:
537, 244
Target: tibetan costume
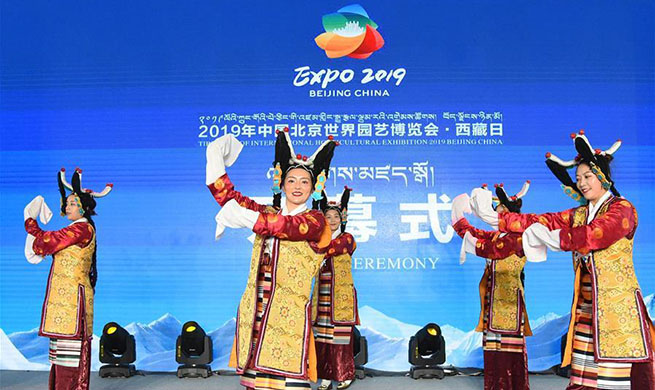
274, 344
67, 314
335, 302
610, 338
503, 316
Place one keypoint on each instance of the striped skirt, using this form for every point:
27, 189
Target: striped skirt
65, 352
251, 378
71, 362
584, 370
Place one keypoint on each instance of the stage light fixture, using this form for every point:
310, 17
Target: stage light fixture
360, 353
427, 349
118, 351
194, 351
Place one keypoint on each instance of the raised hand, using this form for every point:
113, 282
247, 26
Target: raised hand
481, 204
221, 153
461, 206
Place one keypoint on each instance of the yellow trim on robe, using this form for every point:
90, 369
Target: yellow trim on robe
233, 354
312, 371
568, 351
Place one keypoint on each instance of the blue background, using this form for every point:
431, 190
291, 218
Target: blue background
117, 88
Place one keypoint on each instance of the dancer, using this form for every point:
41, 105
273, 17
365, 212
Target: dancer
274, 345
67, 315
334, 302
610, 338
503, 316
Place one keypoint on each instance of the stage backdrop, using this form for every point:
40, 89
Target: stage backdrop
428, 100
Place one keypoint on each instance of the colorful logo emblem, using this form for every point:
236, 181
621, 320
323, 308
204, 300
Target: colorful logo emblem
349, 32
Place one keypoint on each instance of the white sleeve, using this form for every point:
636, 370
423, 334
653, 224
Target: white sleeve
33, 208
537, 239
468, 246
481, 201
40, 207
221, 153
31, 257
461, 205
232, 215
45, 214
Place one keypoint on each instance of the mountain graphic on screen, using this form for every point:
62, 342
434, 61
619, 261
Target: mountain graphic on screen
387, 338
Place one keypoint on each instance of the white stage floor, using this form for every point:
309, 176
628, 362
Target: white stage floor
33, 380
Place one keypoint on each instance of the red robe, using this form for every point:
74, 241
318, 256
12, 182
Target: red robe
51, 242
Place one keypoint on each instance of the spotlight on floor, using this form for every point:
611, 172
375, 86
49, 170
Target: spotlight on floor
360, 353
118, 351
194, 351
427, 349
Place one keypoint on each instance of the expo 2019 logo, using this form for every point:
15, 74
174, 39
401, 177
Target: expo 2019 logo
349, 32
